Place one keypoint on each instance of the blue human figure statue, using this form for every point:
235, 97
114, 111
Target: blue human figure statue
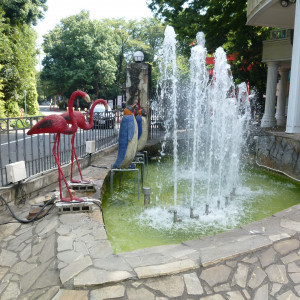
142, 122
139, 124
127, 140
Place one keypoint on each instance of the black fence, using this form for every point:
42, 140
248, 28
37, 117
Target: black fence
36, 150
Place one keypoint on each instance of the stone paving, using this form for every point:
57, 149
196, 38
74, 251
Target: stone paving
68, 256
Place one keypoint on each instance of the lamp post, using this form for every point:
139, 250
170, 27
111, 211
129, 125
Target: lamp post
138, 56
123, 95
25, 93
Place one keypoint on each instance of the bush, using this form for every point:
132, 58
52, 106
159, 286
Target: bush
19, 124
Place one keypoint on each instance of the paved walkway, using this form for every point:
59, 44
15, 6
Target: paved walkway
68, 256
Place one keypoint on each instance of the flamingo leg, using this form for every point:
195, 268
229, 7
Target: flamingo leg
72, 159
60, 172
56, 148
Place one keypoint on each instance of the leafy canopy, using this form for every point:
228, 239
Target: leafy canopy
146, 35
24, 11
79, 55
18, 60
224, 24
92, 55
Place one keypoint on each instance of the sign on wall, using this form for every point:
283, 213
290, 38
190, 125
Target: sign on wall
111, 103
119, 101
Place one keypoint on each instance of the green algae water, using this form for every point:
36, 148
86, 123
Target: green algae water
132, 226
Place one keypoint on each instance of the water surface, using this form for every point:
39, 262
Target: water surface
132, 226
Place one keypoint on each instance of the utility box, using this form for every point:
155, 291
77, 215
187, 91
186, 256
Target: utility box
16, 171
90, 146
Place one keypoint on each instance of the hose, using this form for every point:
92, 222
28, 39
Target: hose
27, 221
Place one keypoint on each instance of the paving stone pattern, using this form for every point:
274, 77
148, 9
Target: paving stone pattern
68, 256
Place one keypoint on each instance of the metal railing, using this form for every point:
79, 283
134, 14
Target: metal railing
36, 150
157, 129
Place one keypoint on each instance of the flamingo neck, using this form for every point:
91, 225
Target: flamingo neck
76, 94
96, 102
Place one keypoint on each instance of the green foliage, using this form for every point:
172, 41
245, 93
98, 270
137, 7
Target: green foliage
19, 124
2, 104
18, 72
2, 109
224, 24
31, 98
17, 57
21, 12
92, 55
80, 55
146, 35
12, 109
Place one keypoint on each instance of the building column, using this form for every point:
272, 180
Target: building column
281, 99
293, 116
268, 119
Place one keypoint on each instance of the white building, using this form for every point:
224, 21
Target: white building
282, 55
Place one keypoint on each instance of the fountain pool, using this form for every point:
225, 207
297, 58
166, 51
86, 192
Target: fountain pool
131, 226
203, 179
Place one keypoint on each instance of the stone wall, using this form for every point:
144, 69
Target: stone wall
280, 152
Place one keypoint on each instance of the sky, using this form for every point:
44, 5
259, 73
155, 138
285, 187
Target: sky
99, 9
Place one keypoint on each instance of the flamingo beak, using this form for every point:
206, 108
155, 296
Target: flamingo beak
87, 98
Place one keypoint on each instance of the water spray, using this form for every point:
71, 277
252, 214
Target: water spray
214, 116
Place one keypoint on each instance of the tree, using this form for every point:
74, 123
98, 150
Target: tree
146, 35
152, 33
123, 31
2, 104
80, 54
17, 55
21, 12
224, 24
93, 55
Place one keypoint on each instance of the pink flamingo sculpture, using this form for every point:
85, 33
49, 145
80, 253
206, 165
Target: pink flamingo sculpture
57, 124
80, 119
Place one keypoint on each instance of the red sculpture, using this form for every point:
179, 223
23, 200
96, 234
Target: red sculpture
57, 124
80, 119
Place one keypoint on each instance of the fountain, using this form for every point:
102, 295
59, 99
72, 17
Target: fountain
199, 185
218, 114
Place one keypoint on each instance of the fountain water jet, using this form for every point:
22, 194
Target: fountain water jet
198, 96
168, 83
217, 121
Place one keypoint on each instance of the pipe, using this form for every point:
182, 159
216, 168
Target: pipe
206, 209
146, 192
176, 219
226, 201
192, 216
